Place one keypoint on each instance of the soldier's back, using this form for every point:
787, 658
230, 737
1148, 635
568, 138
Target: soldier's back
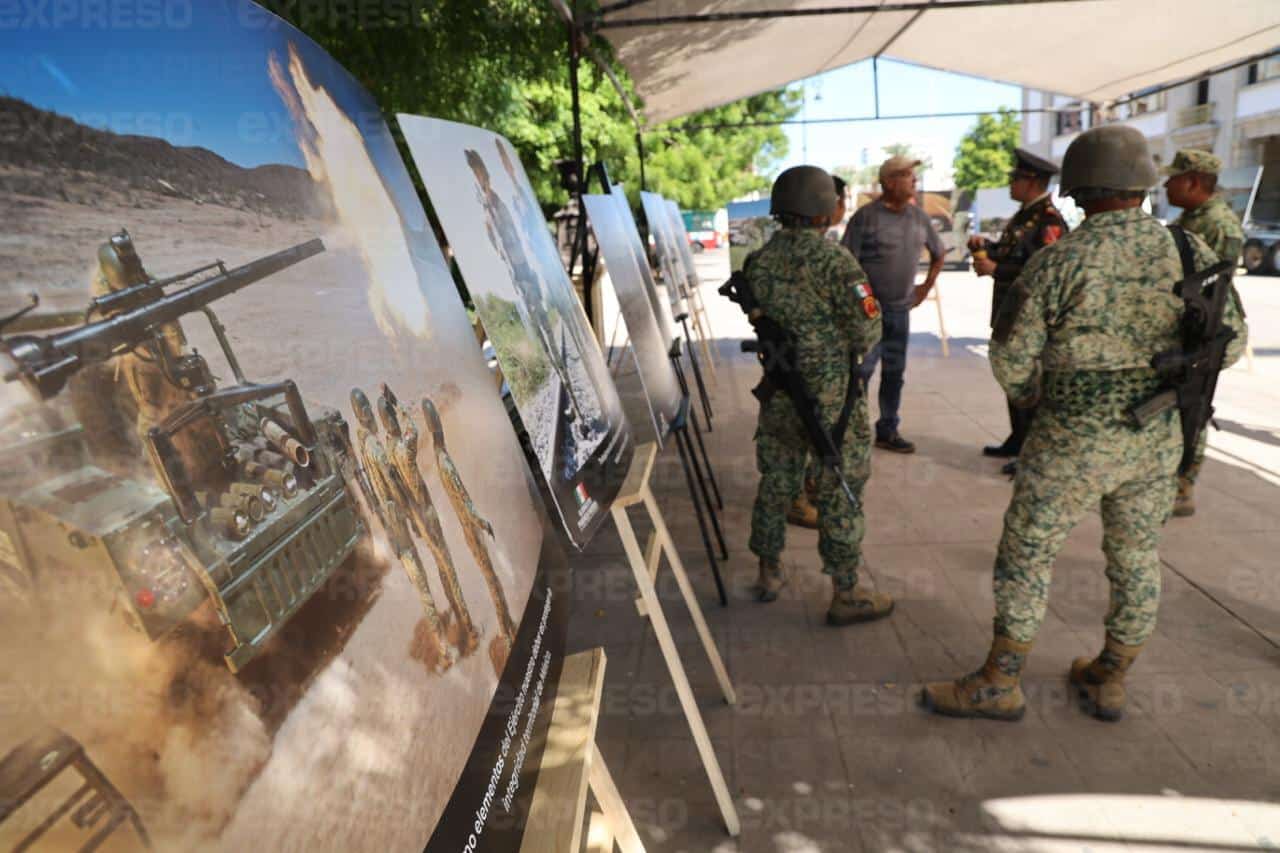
796, 277
1108, 293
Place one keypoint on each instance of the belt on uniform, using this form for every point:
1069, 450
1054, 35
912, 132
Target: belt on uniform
1083, 392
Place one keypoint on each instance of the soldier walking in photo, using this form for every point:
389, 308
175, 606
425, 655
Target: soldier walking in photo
1079, 332
504, 236
817, 292
475, 528
402, 439
1036, 224
1192, 186
392, 497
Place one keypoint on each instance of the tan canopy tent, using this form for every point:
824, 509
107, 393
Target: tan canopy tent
688, 55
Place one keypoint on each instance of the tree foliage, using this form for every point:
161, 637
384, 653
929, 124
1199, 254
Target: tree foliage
868, 176
503, 65
984, 156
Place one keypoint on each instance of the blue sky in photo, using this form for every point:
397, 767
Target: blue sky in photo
904, 90
199, 80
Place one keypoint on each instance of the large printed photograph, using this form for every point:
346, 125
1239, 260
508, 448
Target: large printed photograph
549, 356
626, 272
659, 299
671, 264
267, 538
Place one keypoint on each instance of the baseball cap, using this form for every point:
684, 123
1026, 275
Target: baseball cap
897, 163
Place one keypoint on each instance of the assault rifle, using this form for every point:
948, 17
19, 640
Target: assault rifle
1190, 372
775, 347
45, 363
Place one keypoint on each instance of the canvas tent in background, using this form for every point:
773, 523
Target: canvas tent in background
689, 55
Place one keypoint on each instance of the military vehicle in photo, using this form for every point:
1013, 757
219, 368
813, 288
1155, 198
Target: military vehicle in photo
127, 471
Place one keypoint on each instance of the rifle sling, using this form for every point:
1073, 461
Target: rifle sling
1184, 250
851, 395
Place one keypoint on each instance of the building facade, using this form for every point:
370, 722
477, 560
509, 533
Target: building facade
1234, 113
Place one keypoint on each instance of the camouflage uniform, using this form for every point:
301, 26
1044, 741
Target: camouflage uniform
1215, 223
403, 453
1094, 309
393, 497
816, 290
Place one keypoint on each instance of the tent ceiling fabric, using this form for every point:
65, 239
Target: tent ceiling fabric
1096, 50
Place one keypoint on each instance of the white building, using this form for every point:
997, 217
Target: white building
1234, 113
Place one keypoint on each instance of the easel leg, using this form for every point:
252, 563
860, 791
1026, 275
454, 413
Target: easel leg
706, 460
690, 600
652, 554
697, 374
620, 828
683, 435
697, 512
705, 341
942, 326
672, 656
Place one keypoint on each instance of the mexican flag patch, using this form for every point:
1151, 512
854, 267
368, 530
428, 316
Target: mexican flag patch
870, 306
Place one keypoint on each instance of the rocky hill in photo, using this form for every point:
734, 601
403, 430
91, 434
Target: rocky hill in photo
51, 156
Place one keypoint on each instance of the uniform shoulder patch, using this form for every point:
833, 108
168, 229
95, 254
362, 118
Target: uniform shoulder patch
870, 306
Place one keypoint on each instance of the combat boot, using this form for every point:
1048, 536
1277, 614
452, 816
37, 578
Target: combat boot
770, 580
856, 604
1100, 682
803, 513
1185, 503
993, 692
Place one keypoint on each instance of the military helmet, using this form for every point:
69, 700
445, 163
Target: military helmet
387, 414
363, 410
119, 265
432, 417
803, 191
1113, 157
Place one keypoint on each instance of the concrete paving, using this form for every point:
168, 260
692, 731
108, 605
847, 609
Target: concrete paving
826, 749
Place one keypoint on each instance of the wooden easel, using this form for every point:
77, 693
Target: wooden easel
935, 296
635, 490
572, 765
701, 325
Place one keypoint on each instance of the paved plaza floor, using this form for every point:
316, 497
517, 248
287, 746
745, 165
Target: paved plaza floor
826, 749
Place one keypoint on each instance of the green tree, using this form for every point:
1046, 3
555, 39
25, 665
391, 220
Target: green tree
503, 65
984, 156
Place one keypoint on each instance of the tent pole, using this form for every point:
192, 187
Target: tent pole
640, 148
580, 223
875, 81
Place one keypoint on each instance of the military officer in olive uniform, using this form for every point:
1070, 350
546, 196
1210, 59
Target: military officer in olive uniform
1078, 332
1192, 185
1036, 224
815, 290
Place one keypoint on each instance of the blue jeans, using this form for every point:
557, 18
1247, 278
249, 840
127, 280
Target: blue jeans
891, 354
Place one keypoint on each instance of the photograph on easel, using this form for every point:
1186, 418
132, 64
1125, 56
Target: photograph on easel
661, 391
549, 356
668, 255
657, 293
263, 519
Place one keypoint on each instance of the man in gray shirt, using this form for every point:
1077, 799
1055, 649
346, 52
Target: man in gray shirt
887, 237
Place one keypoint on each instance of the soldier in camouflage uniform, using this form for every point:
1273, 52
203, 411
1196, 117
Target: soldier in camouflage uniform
815, 290
392, 498
402, 449
1193, 179
1078, 333
477, 531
